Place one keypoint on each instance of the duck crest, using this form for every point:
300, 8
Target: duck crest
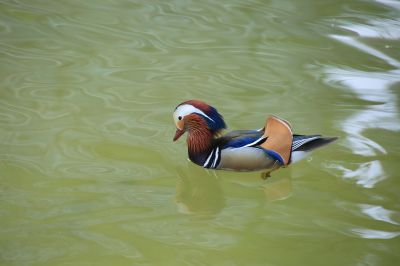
215, 122
198, 104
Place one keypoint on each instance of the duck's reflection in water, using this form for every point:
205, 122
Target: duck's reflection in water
199, 194
202, 193
279, 188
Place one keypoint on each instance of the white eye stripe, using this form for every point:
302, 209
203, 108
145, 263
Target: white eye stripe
187, 109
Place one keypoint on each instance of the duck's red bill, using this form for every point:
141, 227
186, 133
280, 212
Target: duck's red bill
178, 134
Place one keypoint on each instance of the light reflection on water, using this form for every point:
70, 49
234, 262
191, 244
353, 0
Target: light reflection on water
375, 234
90, 175
377, 88
379, 213
372, 86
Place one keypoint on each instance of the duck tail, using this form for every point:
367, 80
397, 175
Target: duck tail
310, 143
303, 145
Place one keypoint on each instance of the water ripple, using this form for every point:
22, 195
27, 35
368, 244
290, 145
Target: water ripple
379, 213
366, 174
10, 116
88, 168
114, 246
374, 234
375, 87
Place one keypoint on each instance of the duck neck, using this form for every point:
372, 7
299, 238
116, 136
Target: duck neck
199, 143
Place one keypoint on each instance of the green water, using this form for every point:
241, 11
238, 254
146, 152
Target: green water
89, 173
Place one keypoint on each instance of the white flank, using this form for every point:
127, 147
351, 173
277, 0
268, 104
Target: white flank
299, 155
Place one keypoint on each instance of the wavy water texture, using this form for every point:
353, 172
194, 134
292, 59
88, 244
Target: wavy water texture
371, 86
89, 173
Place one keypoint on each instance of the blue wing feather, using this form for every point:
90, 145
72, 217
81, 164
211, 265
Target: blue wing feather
274, 155
240, 138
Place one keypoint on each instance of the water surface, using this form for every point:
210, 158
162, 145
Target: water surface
89, 173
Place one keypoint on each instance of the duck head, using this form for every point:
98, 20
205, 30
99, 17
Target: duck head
200, 120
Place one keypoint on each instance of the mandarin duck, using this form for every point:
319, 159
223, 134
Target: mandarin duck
270, 147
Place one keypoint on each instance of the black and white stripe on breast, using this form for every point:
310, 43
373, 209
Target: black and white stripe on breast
213, 159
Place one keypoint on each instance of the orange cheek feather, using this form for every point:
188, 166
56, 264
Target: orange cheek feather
180, 124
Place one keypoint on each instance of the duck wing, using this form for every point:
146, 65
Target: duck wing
279, 138
241, 138
275, 139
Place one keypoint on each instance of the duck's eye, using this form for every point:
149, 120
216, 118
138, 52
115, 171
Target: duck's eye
179, 117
